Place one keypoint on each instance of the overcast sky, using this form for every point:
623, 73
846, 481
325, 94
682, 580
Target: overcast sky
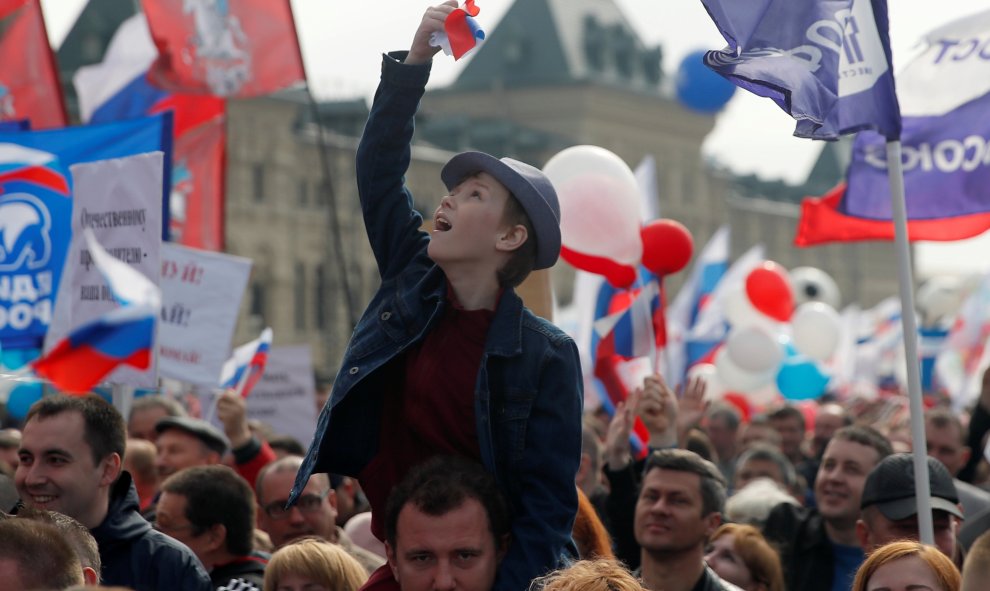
342, 41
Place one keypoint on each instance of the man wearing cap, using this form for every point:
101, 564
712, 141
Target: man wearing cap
446, 360
184, 442
890, 507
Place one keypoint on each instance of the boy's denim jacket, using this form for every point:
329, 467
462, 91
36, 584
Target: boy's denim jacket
529, 391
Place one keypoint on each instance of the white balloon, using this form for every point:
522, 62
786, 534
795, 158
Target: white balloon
714, 389
754, 348
811, 284
739, 311
599, 203
816, 329
939, 299
737, 379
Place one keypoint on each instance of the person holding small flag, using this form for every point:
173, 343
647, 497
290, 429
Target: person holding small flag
446, 360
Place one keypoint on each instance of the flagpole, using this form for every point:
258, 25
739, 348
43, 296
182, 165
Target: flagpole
895, 175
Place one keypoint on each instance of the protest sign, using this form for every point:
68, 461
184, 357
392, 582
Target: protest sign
201, 294
121, 201
285, 398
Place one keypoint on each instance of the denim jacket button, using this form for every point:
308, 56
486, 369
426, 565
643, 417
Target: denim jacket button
386, 315
353, 370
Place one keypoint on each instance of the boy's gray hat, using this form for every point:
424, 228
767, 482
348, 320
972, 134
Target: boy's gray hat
528, 184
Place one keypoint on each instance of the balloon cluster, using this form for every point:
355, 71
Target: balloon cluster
601, 226
774, 345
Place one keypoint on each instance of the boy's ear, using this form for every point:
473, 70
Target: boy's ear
511, 238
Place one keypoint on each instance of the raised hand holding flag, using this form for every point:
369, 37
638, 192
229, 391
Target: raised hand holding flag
246, 366
461, 32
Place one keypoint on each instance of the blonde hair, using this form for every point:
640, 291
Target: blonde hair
945, 571
589, 575
757, 554
976, 568
318, 560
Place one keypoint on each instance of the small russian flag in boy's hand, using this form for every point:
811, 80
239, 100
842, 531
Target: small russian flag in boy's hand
461, 32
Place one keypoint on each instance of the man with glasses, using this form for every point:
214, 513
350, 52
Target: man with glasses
211, 509
314, 514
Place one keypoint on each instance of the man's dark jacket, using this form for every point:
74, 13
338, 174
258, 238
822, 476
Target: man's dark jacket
137, 556
805, 550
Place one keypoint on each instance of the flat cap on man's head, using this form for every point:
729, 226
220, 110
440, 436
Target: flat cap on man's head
890, 486
528, 184
212, 437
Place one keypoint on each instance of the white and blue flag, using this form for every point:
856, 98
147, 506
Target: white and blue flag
825, 62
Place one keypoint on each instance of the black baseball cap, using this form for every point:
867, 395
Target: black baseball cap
198, 428
890, 486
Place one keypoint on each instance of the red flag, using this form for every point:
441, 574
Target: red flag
29, 85
196, 203
821, 222
234, 49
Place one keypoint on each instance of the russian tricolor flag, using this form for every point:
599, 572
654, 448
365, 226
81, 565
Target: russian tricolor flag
246, 366
123, 336
460, 31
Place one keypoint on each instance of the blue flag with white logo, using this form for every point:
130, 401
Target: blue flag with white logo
825, 62
36, 211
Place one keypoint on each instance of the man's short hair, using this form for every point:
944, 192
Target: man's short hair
286, 464
288, 444
942, 418
217, 495
76, 534
44, 559
442, 484
766, 453
682, 460
726, 413
171, 406
867, 436
788, 412
104, 432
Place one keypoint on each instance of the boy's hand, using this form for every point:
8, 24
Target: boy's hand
421, 52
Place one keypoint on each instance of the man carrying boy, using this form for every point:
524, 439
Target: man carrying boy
446, 360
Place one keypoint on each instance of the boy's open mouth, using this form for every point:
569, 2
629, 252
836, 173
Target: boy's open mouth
441, 224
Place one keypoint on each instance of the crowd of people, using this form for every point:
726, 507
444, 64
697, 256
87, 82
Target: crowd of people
452, 450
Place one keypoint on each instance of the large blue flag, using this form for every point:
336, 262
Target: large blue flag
36, 211
825, 62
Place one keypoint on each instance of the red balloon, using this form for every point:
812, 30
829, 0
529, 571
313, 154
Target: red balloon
770, 291
667, 246
618, 275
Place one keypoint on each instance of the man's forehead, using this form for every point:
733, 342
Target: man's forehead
673, 480
844, 450
64, 429
463, 527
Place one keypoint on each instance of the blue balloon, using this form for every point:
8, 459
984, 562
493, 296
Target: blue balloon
801, 378
23, 395
699, 88
21, 399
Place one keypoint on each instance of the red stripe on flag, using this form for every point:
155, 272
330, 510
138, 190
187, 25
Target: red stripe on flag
77, 370
821, 222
